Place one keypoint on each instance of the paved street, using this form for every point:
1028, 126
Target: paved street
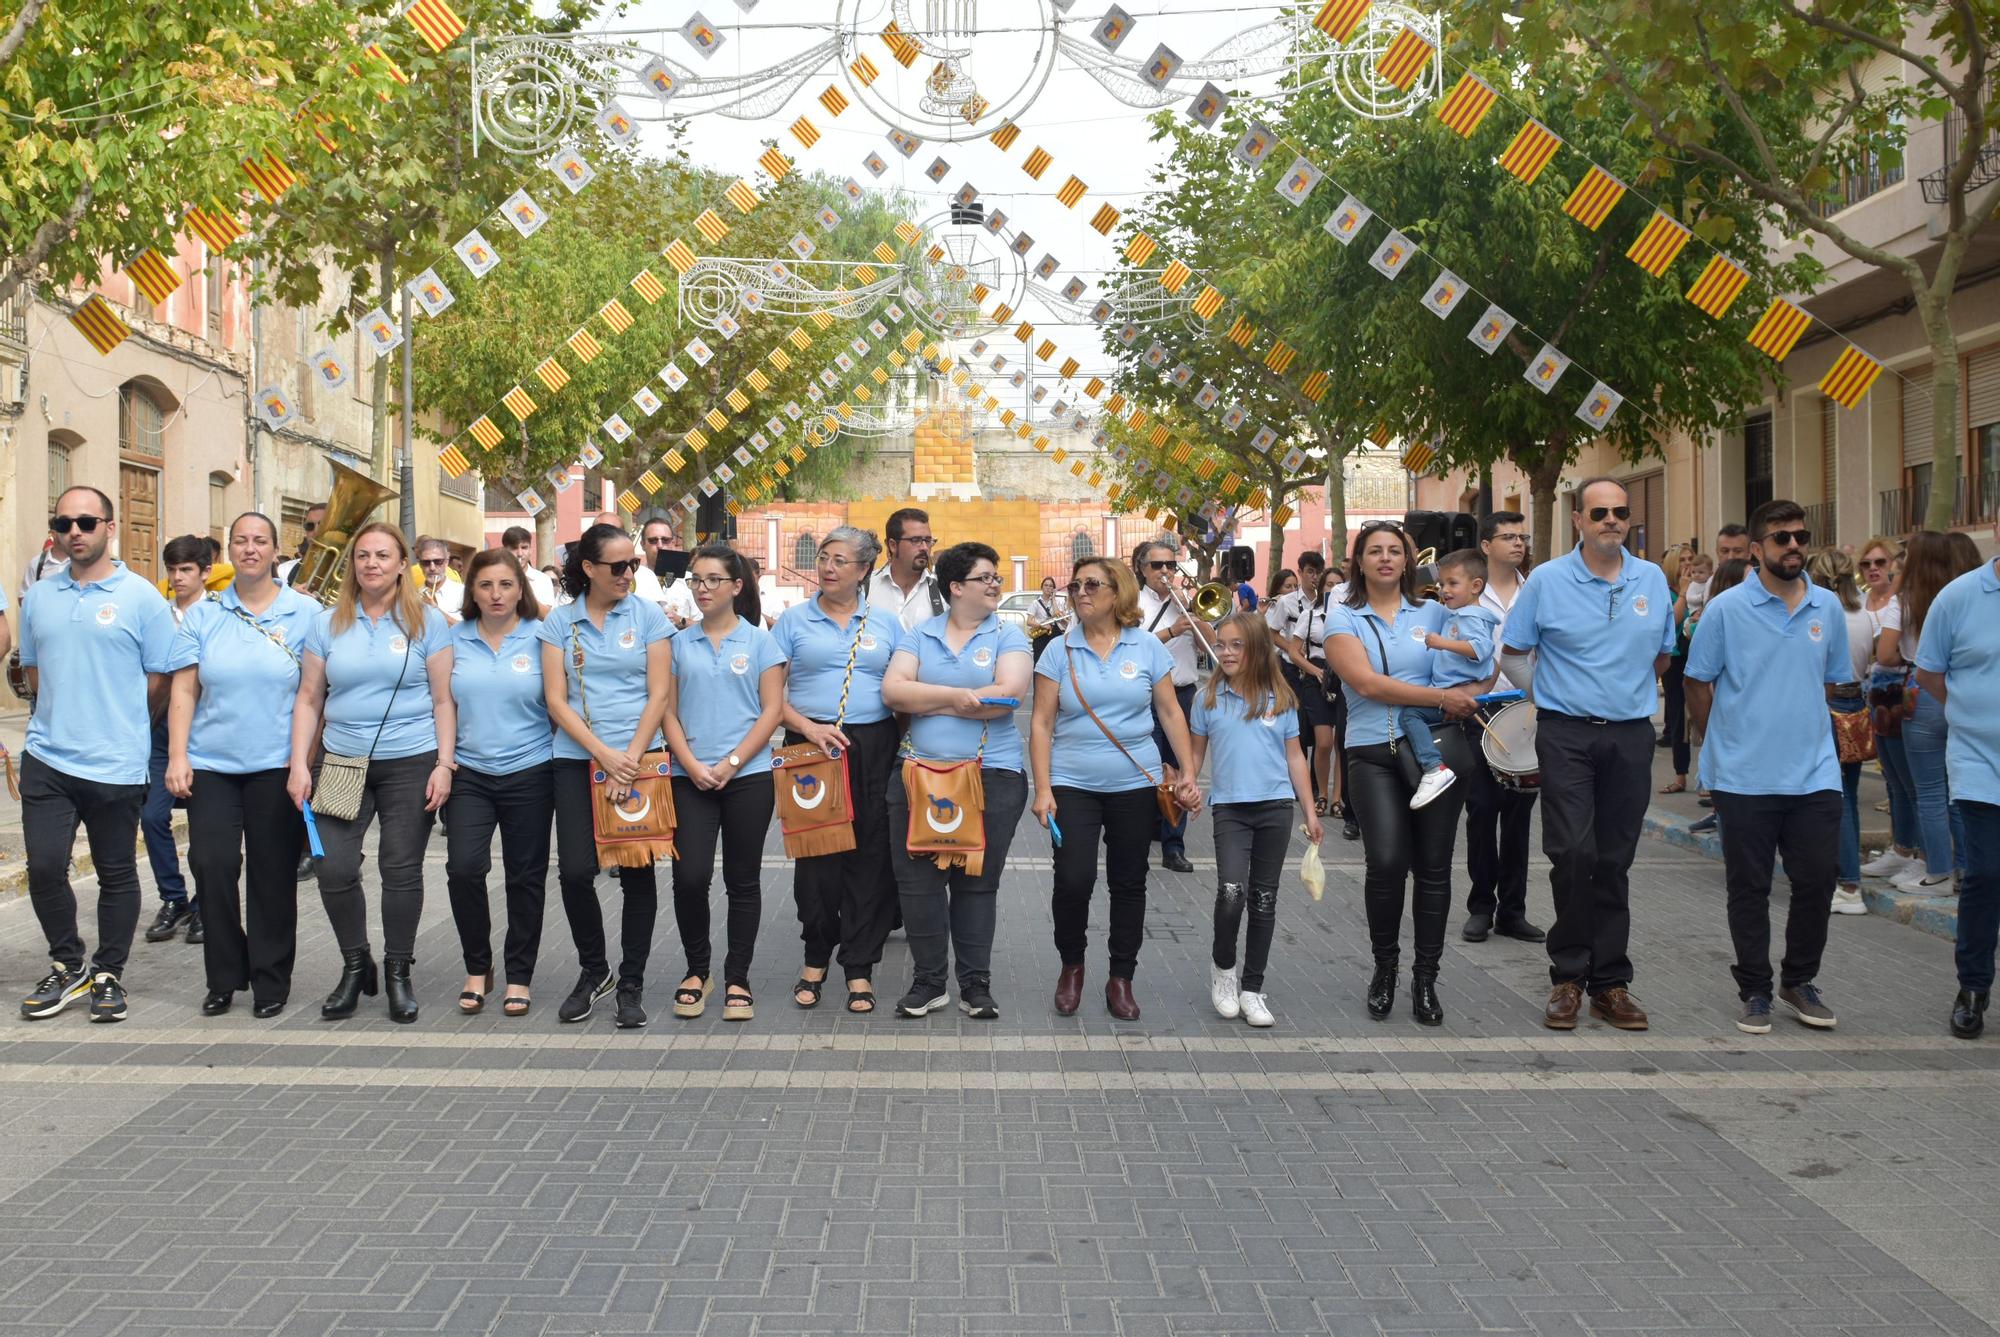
822, 1173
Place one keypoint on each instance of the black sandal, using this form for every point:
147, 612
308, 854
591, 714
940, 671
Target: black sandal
516, 1007
863, 996
810, 988
737, 1004
690, 1000
477, 1000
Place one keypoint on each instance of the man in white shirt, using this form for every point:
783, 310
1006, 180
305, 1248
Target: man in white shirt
518, 541
1497, 819
673, 596
1160, 616
440, 590
906, 586
311, 522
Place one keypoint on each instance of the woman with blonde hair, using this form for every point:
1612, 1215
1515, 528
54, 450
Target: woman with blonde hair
375, 703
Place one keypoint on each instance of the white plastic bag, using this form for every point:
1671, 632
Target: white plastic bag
1312, 872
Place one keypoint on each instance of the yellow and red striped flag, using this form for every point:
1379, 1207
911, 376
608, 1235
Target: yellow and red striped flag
674, 460
1036, 163
1242, 332
680, 255
1069, 368
1466, 105
1141, 248
435, 23
1848, 379
1778, 330
1046, 350
757, 380
1071, 193
1721, 281
779, 358
1160, 435
1380, 435
1280, 358
1208, 303
614, 315
907, 232
1104, 220
153, 276
901, 45
1659, 245
737, 400
485, 433
1182, 453
650, 481
805, 132
374, 51
1339, 18
716, 419
518, 403
97, 322
629, 502
1024, 331
742, 197
695, 439
885, 253
271, 177
1405, 58
800, 339
775, 164
711, 226
1593, 197
864, 70
1115, 405
550, 373
1175, 276
1316, 386
1003, 138
1094, 387
1534, 144
217, 228
1419, 458
833, 100
585, 345
650, 289
452, 460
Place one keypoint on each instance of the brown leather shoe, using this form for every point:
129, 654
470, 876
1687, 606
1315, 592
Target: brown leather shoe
1118, 998
1069, 991
1617, 1006
1565, 1001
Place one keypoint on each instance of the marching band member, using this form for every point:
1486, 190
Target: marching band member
96, 640
1497, 817
1042, 615
728, 694
188, 560
1376, 646
1160, 615
938, 678
1601, 623
443, 590
229, 743
376, 674
839, 643
905, 588
607, 672
1097, 771
1249, 719
505, 779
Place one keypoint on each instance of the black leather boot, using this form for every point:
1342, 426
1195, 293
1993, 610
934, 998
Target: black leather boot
402, 994
1382, 990
1968, 1014
1424, 1004
357, 976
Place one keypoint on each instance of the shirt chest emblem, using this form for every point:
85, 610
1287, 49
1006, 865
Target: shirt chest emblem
739, 664
627, 639
868, 641
1640, 606
983, 657
1128, 670
522, 664
397, 645
1269, 721
1816, 631
1417, 634
106, 614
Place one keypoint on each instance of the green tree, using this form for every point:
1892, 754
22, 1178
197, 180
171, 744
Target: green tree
121, 116
1768, 100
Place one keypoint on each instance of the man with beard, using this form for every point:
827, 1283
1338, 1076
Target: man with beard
905, 587
96, 641
1757, 672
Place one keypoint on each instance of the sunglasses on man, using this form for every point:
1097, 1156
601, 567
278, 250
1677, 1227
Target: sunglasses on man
1796, 538
1597, 513
83, 524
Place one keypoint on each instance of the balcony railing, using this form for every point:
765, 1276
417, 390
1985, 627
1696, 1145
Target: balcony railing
1984, 171
1974, 502
14, 316
1819, 519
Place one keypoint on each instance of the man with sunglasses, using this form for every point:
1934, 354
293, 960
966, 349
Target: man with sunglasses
310, 522
1600, 623
96, 641
1160, 617
672, 594
905, 585
1757, 672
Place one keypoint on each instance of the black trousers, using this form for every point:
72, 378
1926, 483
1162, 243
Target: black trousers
243, 849
576, 874
1172, 836
1674, 709
1497, 823
1596, 779
848, 901
1400, 846
521, 806
392, 797
1757, 830
1123, 820
52, 803
739, 814
1251, 841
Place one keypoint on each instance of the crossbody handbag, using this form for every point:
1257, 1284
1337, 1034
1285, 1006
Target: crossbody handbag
338, 787
637, 830
1163, 793
1853, 736
1406, 757
815, 800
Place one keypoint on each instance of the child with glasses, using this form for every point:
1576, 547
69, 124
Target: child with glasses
1460, 657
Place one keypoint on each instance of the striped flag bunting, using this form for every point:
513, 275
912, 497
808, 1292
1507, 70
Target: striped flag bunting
1242, 332
1036, 163
629, 502
1094, 387
906, 232
674, 460
374, 51
1140, 249
737, 400
650, 481
885, 253
1316, 386
1069, 368
742, 197
779, 358
1405, 58
694, 440
1104, 220
1160, 435
452, 460
1380, 435
757, 380
1047, 350
1419, 458
1208, 303
833, 100
1339, 18
518, 403
585, 345
1071, 193
1466, 105
550, 373
97, 322
716, 419
650, 289
153, 276
711, 227
1182, 453
1778, 330
1659, 245
1721, 281
901, 45
1593, 197
1175, 276
775, 164
614, 314
271, 177
1534, 144
1003, 138
218, 229
1281, 356
865, 71
435, 23
1205, 470
805, 132
1850, 376
485, 433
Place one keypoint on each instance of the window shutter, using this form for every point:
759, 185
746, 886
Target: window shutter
1982, 384
1917, 444
1829, 448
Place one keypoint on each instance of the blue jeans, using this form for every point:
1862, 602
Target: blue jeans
1849, 870
1416, 722
1902, 792
156, 821
1979, 898
1923, 743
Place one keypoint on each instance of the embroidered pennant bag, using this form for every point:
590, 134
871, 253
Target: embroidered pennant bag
815, 807
947, 811
637, 830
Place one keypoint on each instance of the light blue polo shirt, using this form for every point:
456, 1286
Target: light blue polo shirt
363, 666
249, 676
1475, 626
949, 737
1768, 731
503, 716
719, 692
1247, 761
816, 647
1596, 639
1120, 689
1409, 659
613, 676
1962, 641
94, 645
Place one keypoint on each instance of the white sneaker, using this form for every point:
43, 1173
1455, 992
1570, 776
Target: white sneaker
1433, 784
1847, 901
1916, 883
1889, 863
1222, 992
1255, 1010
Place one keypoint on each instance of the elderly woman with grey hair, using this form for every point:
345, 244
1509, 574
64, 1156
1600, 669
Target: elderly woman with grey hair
839, 648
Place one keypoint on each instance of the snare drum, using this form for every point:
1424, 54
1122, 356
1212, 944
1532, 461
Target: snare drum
1508, 742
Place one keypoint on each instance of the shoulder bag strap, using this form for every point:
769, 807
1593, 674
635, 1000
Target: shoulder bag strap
1077, 687
290, 653
408, 643
1166, 602
847, 680
576, 662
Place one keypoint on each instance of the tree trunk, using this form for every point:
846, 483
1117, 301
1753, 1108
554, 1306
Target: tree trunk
1275, 554
1336, 507
18, 34
545, 534
1544, 468
16, 273
378, 410
1935, 311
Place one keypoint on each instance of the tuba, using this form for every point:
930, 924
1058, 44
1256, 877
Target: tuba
1427, 574
324, 565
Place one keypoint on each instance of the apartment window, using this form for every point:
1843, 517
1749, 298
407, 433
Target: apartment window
805, 551
1986, 472
1757, 441
142, 423
218, 506
60, 460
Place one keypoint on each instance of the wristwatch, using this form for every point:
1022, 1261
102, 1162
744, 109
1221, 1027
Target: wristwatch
735, 760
